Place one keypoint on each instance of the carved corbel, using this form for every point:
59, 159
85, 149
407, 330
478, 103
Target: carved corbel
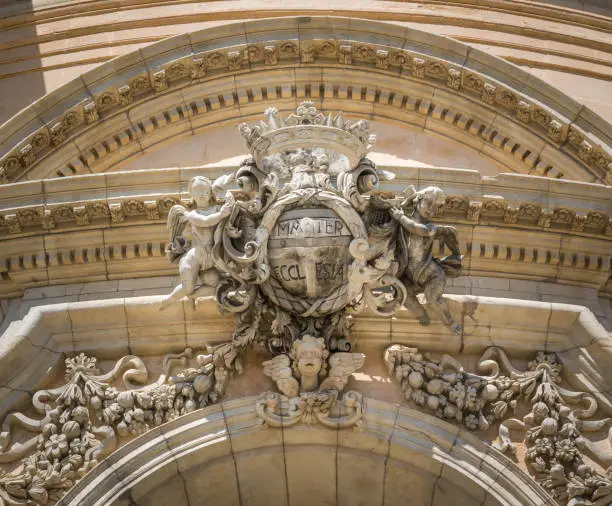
418, 68
523, 111
345, 54
608, 230
81, 215
198, 68
116, 213
125, 95
57, 133
91, 112
579, 222
271, 55
585, 150
160, 81
151, 210
234, 60
511, 215
382, 59
47, 220
307, 54
556, 130
473, 211
27, 155
13, 223
454, 78
545, 218
488, 93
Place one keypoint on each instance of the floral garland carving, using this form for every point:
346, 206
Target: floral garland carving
553, 429
86, 418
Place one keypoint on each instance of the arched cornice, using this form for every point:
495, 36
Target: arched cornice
398, 446
190, 82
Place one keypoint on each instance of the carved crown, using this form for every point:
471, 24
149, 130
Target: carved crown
308, 128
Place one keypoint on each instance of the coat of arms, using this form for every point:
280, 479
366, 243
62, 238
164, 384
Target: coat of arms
298, 238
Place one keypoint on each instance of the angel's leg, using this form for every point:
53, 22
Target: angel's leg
413, 304
433, 293
188, 272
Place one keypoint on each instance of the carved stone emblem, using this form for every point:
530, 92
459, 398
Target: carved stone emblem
303, 236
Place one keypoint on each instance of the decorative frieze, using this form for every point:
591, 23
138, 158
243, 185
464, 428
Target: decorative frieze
383, 57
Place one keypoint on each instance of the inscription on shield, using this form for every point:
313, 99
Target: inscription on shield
309, 251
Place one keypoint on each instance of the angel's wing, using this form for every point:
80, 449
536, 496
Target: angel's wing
176, 221
341, 366
177, 245
279, 369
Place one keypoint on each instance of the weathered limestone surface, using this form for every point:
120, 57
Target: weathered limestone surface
110, 226
187, 83
117, 387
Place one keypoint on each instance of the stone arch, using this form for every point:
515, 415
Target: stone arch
222, 455
191, 82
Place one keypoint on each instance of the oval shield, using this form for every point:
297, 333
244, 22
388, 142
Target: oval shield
308, 250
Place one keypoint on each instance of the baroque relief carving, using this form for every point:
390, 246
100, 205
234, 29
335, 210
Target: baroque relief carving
82, 421
556, 450
380, 56
310, 380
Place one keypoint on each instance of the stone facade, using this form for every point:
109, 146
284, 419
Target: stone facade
317, 322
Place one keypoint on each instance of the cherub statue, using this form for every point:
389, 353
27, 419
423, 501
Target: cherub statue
197, 262
418, 269
306, 365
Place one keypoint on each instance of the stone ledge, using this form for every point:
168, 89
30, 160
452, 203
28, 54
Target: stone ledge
115, 327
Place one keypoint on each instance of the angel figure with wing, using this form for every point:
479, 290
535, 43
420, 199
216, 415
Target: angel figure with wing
195, 262
419, 270
307, 368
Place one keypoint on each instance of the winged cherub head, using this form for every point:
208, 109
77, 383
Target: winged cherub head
309, 356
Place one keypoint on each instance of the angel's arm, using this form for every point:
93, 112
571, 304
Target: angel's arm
414, 227
210, 220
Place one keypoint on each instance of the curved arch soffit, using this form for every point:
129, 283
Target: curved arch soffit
191, 82
401, 451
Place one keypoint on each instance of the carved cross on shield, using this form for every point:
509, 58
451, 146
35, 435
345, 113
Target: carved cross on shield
309, 251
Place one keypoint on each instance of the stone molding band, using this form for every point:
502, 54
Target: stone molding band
554, 130
39, 342
115, 237
400, 436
